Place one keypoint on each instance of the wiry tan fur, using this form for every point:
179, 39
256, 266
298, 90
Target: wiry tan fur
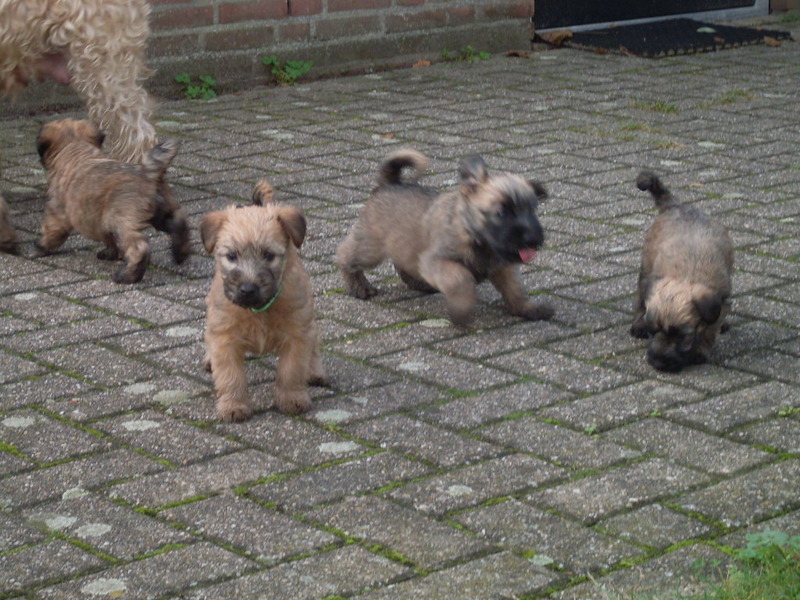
107, 200
450, 241
8, 237
684, 282
256, 259
103, 44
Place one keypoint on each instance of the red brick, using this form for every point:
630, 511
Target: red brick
304, 8
461, 14
429, 19
240, 38
294, 31
340, 5
252, 11
332, 29
181, 18
510, 10
410, 2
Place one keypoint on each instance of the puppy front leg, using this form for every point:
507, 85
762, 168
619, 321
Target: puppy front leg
639, 327
291, 383
507, 282
457, 284
230, 382
316, 371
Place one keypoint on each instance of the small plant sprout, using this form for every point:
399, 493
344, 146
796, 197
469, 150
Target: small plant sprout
287, 73
202, 90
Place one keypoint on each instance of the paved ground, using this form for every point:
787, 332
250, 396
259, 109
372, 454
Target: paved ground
517, 460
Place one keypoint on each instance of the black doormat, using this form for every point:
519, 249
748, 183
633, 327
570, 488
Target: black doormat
671, 37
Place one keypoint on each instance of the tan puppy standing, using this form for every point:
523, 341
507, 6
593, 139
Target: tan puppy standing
448, 241
107, 200
8, 237
260, 301
684, 282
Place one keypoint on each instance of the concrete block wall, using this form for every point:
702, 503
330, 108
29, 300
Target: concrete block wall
227, 38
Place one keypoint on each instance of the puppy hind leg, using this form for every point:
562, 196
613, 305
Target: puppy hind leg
55, 231
136, 254
353, 258
317, 375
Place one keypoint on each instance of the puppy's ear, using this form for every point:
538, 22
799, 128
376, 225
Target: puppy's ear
293, 222
708, 305
210, 226
473, 171
44, 141
541, 191
263, 193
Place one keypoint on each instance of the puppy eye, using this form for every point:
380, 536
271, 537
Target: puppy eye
269, 256
232, 256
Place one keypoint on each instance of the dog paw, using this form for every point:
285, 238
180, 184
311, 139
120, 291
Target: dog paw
234, 413
108, 254
639, 330
537, 312
362, 291
293, 403
125, 275
319, 381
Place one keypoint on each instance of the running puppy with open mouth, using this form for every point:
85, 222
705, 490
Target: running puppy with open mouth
448, 242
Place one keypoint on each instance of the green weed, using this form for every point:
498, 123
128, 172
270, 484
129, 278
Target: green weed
287, 73
468, 54
203, 89
658, 106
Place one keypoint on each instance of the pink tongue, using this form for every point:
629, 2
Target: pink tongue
527, 254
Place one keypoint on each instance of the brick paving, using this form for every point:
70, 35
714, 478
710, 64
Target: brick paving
513, 460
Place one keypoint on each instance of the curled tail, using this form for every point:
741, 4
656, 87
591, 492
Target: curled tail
649, 181
156, 161
391, 169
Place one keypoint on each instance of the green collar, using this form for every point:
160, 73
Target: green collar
271, 302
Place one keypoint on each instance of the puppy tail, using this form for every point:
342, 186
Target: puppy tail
156, 161
647, 181
390, 172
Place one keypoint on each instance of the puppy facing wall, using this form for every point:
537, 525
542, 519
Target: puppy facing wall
684, 282
260, 301
448, 242
106, 200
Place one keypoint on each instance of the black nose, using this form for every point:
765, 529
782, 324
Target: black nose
248, 289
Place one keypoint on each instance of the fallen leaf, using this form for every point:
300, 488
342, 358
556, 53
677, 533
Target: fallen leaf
518, 53
771, 41
388, 136
719, 40
422, 63
556, 38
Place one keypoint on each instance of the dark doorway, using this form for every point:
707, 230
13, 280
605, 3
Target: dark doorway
549, 14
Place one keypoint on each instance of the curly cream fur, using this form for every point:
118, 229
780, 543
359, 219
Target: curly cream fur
103, 42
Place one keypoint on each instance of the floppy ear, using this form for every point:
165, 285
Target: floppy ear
473, 171
210, 226
263, 193
293, 222
541, 191
708, 305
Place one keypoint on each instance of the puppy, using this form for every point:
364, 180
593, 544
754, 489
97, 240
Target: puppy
684, 282
106, 200
260, 301
448, 242
8, 237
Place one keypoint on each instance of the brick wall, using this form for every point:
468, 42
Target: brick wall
227, 38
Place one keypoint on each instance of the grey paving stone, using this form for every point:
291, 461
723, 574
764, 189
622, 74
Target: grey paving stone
622, 405
44, 563
216, 475
177, 570
557, 444
14, 533
502, 575
574, 375
486, 407
723, 413
601, 496
166, 438
475, 484
44, 389
340, 572
264, 534
422, 441
335, 482
525, 529
656, 526
88, 473
105, 526
689, 447
99, 364
72, 333
428, 543
748, 498
781, 435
